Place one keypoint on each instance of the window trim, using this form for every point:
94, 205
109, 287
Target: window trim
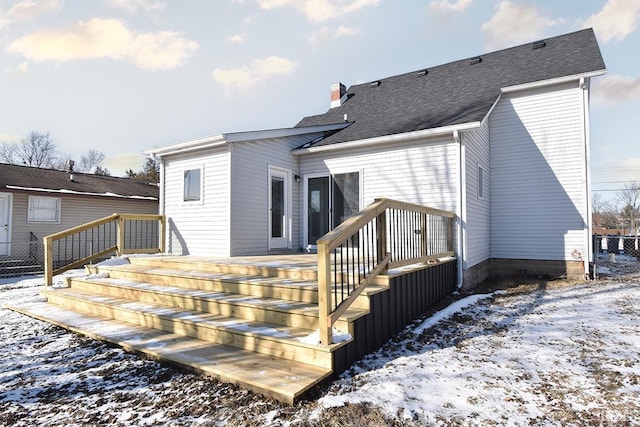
58, 210
200, 200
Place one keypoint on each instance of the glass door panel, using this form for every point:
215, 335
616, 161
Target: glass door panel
278, 216
318, 208
346, 196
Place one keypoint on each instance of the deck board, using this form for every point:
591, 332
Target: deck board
282, 379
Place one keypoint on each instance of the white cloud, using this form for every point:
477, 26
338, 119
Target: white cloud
28, 9
616, 20
514, 24
444, 6
118, 164
319, 10
106, 38
135, 6
256, 72
23, 67
325, 34
162, 50
239, 38
613, 89
10, 137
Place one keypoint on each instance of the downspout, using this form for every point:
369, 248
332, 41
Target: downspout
460, 208
584, 90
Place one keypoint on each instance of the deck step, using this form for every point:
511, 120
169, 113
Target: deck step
295, 267
302, 290
265, 338
282, 379
248, 307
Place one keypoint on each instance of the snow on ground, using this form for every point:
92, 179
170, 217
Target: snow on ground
538, 354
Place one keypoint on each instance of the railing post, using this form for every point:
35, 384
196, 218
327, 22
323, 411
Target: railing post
381, 250
450, 228
120, 236
163, 231
424, 233
48, 261
324, 294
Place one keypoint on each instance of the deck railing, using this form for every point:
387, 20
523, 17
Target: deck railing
117, 233
386, 234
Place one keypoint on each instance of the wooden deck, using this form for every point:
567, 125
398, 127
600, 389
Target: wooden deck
245, 321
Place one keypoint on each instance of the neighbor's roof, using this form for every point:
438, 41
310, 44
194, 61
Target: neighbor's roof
15, 178
459, 92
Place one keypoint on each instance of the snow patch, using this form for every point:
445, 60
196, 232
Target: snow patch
314, 338
84, 193
450, 311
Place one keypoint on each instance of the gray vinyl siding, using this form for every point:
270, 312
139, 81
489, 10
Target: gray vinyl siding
423, 172
478, 210
74, 211
538, 176
250, 189
199, 227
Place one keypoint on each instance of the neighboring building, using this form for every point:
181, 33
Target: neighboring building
501, 139
37, 202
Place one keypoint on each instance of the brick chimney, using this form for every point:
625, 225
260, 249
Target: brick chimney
338, 93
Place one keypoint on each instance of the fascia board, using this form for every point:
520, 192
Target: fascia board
188, 146
549, 82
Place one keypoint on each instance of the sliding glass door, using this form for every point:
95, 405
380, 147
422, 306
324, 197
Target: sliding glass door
330, 200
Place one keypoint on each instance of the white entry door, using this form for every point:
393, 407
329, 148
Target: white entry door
5, 226
279, 208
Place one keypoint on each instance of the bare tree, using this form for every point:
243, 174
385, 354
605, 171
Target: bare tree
601, 212
36, 150
630, 205
90, 162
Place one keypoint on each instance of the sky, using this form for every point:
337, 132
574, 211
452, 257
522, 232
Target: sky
124, 76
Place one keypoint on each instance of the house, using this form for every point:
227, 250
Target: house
37, 202
501, 139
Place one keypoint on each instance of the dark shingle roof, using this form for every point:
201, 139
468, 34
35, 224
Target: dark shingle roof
458, 92
23, 178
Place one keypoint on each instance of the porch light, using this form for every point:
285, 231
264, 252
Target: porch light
297, 178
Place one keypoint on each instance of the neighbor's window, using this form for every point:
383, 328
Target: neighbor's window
44, 209
480, 182
192, 185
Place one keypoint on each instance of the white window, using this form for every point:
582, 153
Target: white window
480, 182
192, 185
44, 209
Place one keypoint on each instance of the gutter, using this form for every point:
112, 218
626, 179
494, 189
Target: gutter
542, 83
185, 147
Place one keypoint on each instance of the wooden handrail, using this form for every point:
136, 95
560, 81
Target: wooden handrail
350, 230
352, 224
119, 248
77, 229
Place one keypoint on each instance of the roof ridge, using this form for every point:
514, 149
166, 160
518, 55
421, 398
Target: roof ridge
482, 55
